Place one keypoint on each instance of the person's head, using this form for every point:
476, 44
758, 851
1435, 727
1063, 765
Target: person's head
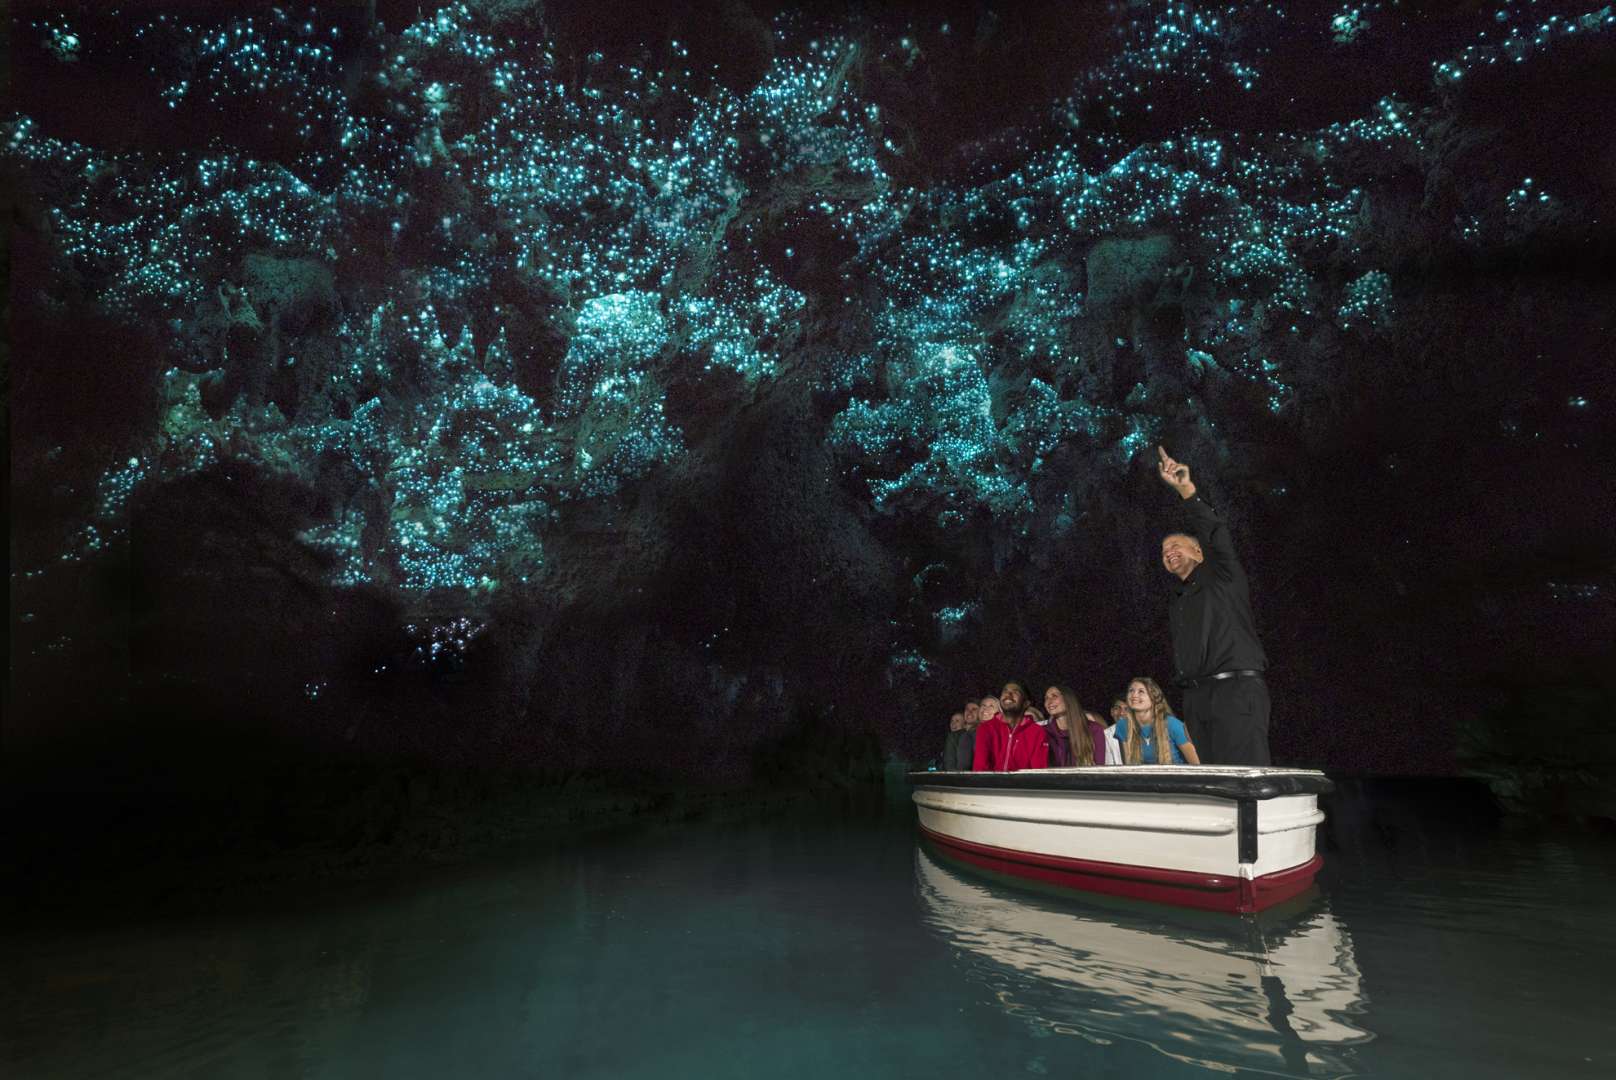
956, 722
1181, 554
1077, 732
1146, 700
973, 713
1054, 704
1149, 707
990, 708
1119, 709
1013, 699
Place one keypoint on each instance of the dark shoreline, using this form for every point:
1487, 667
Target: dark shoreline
276, 841
297, 827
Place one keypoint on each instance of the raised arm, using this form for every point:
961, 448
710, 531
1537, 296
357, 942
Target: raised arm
1210, 526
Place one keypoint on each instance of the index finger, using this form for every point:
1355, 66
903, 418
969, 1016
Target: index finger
1163, 453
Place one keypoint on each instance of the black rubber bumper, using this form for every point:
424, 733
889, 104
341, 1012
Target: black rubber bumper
1169, 781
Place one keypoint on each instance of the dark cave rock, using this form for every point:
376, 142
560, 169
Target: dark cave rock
296, 296
91, 391
1562, 780
779, 505
680, 590
1401, 384
1127, 271
221, 582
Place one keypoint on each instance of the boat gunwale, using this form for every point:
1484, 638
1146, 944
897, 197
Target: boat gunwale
1236, 783
1196, 828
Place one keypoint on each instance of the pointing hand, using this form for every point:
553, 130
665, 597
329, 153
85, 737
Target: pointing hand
1175, 475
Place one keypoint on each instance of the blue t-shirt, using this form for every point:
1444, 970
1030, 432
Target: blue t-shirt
1147, 751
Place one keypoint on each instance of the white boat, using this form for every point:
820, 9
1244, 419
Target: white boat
1219, 838
1281, 999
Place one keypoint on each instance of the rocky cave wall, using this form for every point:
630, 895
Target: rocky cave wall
501, 385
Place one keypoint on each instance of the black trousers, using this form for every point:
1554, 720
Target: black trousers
1228, 720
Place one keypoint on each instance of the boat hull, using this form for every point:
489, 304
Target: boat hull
1233, 840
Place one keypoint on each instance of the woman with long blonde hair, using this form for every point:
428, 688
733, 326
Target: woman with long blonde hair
1148, 716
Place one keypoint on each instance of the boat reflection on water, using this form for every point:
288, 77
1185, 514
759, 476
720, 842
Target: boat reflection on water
1276, 995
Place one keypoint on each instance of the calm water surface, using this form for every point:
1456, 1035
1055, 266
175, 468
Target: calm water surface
832, 945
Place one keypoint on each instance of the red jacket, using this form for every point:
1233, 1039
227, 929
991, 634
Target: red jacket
999, 749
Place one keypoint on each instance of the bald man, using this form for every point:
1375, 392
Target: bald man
1218, 661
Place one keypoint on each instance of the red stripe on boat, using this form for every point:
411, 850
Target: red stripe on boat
1183, 888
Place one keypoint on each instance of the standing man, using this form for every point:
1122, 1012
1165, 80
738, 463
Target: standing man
1217, 658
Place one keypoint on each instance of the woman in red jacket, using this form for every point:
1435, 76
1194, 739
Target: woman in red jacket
1004, 744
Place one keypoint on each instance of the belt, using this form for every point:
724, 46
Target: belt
1187, 684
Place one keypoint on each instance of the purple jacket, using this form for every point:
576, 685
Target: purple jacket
1060, 747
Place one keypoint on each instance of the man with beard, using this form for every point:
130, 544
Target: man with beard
1217, 659
1012, 739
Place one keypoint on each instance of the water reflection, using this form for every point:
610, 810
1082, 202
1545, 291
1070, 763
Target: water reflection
708, 949
1280, 996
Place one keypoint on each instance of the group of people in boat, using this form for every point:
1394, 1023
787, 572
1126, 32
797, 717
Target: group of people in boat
1007, 731
1218, 666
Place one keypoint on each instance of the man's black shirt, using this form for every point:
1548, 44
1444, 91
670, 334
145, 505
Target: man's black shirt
1210, 613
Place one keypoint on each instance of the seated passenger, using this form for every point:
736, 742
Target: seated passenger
1060, 747
1113, 750
973, 714
1074, 739
1011, 739
1148, 714
956, 728
965, 755
988, 709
